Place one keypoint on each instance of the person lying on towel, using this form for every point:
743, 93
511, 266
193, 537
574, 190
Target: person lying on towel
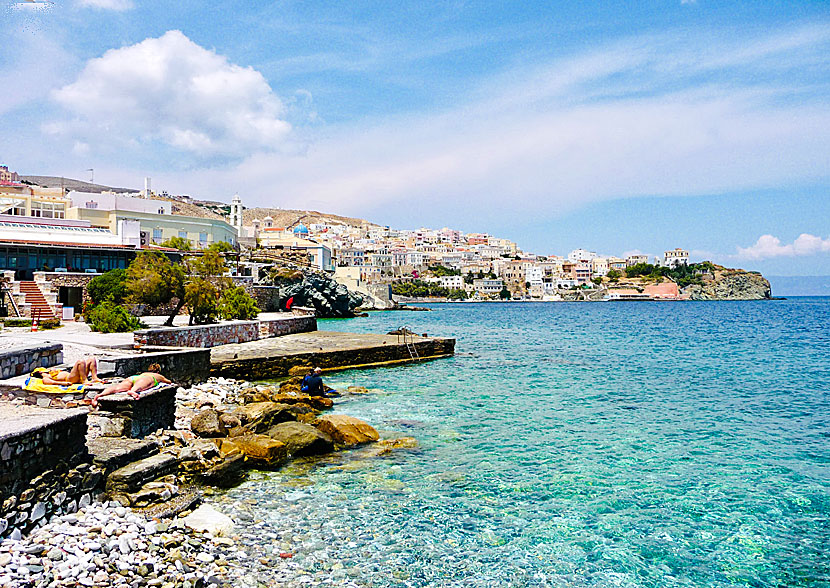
84, 370
135, 384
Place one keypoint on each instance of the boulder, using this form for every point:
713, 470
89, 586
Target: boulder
208, 423
301, 439
347, 430
299, 370
260, 416
260, 448
208, 519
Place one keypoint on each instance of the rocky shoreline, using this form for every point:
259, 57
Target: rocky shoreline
223, 428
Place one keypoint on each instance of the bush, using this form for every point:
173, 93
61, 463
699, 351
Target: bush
47, 324
179, 243
112, 284
236, 304
17, 322
108, 317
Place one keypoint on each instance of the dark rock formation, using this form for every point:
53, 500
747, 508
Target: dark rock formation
314, 290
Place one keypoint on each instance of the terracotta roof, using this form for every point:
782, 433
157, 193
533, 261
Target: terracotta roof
63, 244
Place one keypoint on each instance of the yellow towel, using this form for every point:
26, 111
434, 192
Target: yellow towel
37, 385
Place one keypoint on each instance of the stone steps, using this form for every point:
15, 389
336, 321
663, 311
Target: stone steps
113, 453
131, 478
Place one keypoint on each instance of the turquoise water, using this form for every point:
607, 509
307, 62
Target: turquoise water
577, 444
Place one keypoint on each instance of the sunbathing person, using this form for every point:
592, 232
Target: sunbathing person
84, 370
135, 384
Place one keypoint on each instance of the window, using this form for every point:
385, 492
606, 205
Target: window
157, 236
203, 238
183, 234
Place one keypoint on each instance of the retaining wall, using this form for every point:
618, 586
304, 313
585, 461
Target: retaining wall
122, 416
45, 467
184, 367
224, 333
22, 360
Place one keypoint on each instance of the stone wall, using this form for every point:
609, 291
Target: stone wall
199, 336
122, 416
184, 367
22, 360
267, 297
296, 324
277, 366
45, 468
52, 281
206, 336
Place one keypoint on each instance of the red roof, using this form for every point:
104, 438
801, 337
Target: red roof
62, 244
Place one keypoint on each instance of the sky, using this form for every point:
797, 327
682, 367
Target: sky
617, 127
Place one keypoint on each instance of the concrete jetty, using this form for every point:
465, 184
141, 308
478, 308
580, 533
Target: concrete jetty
272, 358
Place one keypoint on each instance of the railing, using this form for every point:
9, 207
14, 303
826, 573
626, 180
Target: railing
409, 341
5, 293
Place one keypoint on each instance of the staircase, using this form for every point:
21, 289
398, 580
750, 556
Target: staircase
36, 301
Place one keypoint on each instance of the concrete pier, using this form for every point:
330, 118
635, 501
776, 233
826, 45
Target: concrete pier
272, 358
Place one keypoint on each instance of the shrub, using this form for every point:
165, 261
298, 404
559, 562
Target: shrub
236, 304
108, 317
47, 324
112, 284
179, 243
17, 322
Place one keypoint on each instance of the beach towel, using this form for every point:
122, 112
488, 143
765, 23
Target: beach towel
37, 385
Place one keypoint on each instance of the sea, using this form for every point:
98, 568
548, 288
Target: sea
606, 444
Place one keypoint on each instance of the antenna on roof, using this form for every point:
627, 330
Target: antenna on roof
91, 175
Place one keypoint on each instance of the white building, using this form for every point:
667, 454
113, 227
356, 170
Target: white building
487, 287
452, 282
582, 255
675, 257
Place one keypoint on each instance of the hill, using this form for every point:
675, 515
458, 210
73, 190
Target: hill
70, 184
287, 217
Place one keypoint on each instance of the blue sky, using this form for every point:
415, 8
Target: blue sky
613, 126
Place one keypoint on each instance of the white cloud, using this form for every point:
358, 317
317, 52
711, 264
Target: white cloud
171, 91
118, 5
769, 246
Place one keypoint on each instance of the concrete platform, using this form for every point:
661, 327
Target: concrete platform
270, 358
20, 420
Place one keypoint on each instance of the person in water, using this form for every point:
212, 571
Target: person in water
84, 370
135, 384
313, 383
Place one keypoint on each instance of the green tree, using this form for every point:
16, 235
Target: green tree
457, 294
597, 280
179, 243
112, 285
614, 275
236, 304
221, 247
440, 270
505, 294
201, 296
154, 280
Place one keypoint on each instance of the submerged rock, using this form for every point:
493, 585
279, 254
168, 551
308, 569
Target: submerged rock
347, 430
301, 439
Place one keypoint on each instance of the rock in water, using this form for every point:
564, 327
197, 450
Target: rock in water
301, 439
346, 430
207, 518
259, 416
260, 448
208, 424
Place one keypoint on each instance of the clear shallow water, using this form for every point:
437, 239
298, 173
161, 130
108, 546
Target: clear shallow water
604, 444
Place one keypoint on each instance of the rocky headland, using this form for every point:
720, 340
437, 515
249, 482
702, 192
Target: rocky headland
730, 284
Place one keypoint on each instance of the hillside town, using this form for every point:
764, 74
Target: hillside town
54, 238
